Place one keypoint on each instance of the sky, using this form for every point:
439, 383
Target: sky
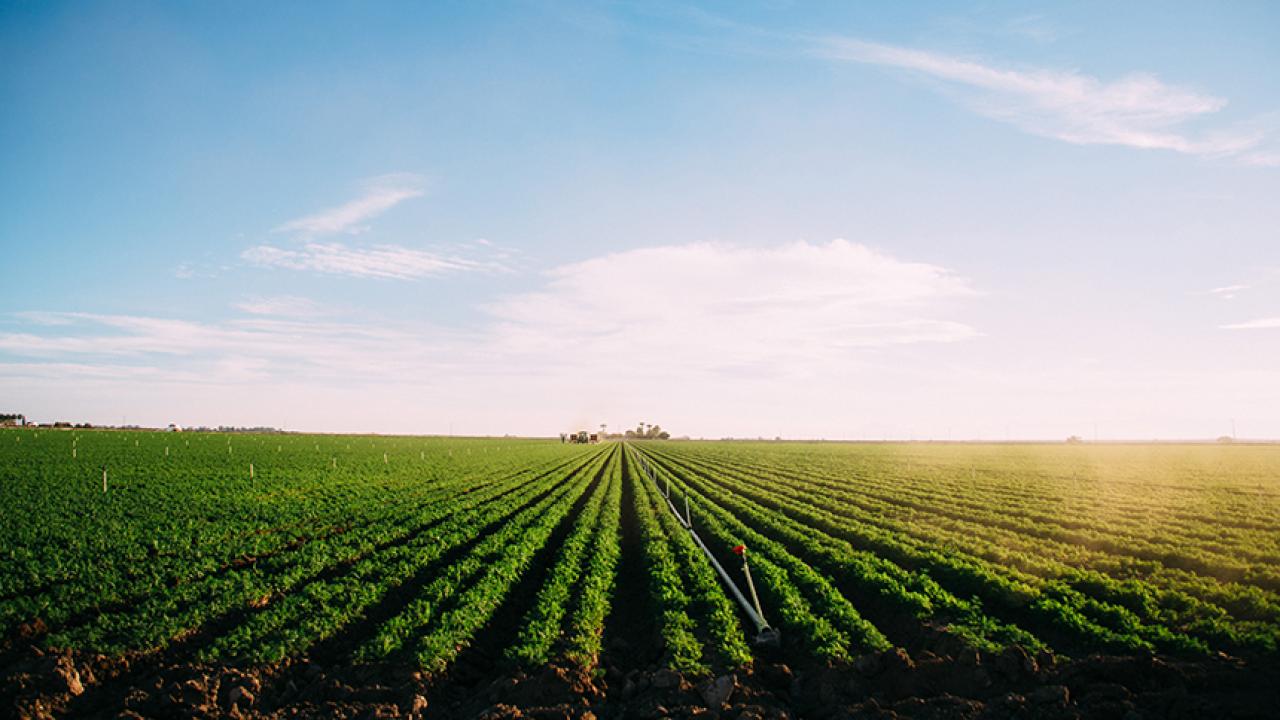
810, 220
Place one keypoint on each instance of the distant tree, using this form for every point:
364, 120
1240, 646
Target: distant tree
646, 431
1075, 440
1226, 439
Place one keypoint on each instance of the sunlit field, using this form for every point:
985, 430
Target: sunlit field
505, 554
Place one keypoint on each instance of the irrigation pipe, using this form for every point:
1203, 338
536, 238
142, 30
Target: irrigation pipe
765, 635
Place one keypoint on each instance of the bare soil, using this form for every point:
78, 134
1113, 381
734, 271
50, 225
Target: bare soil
892, 684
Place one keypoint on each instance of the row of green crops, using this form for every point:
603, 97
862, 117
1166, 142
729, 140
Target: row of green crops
181, 545
585, 560
255, 548
699, 624
922, 567
805, 601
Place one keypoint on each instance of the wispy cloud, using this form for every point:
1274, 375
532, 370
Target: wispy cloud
380, 261
1261, 159
1137, 110
280, 305
305, 252
717, 307
1259, 324
701, 313
1226, 292
380, 194
240, 350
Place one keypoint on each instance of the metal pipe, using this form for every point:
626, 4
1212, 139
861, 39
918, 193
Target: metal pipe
753, 611
746, 570
756, 618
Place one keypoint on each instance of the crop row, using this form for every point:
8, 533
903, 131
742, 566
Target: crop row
1090, 622
1070, 538
434, 630
808, 605
584, 564
121, 582
1112, 613
1168, 603
275, 583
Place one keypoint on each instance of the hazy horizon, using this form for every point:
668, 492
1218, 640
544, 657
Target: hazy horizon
978, 222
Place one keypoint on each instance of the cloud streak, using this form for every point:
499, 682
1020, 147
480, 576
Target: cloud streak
385, 260
1137, 110
717, 308
1227, 292
253, 349
701, 312
1259, 324
381, 194
280, 305
393, 262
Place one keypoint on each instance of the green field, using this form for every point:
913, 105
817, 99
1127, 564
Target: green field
417, 550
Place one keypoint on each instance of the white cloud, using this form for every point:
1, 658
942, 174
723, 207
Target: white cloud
281, 305
256, 348
1259, 324
380, 194
370, 261
689, 311
1137, 110
380, 261
1227, 292
813, 340
1261, 159
787, 309
40, 317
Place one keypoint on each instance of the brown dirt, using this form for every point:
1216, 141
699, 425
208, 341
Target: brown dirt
893, 684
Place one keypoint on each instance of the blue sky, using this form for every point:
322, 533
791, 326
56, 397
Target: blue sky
815, 220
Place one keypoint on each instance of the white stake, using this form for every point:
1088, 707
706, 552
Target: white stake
73, 451
104, 479
335, 463
746, 570
422, 454
250, 471
166, 451
384, 458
